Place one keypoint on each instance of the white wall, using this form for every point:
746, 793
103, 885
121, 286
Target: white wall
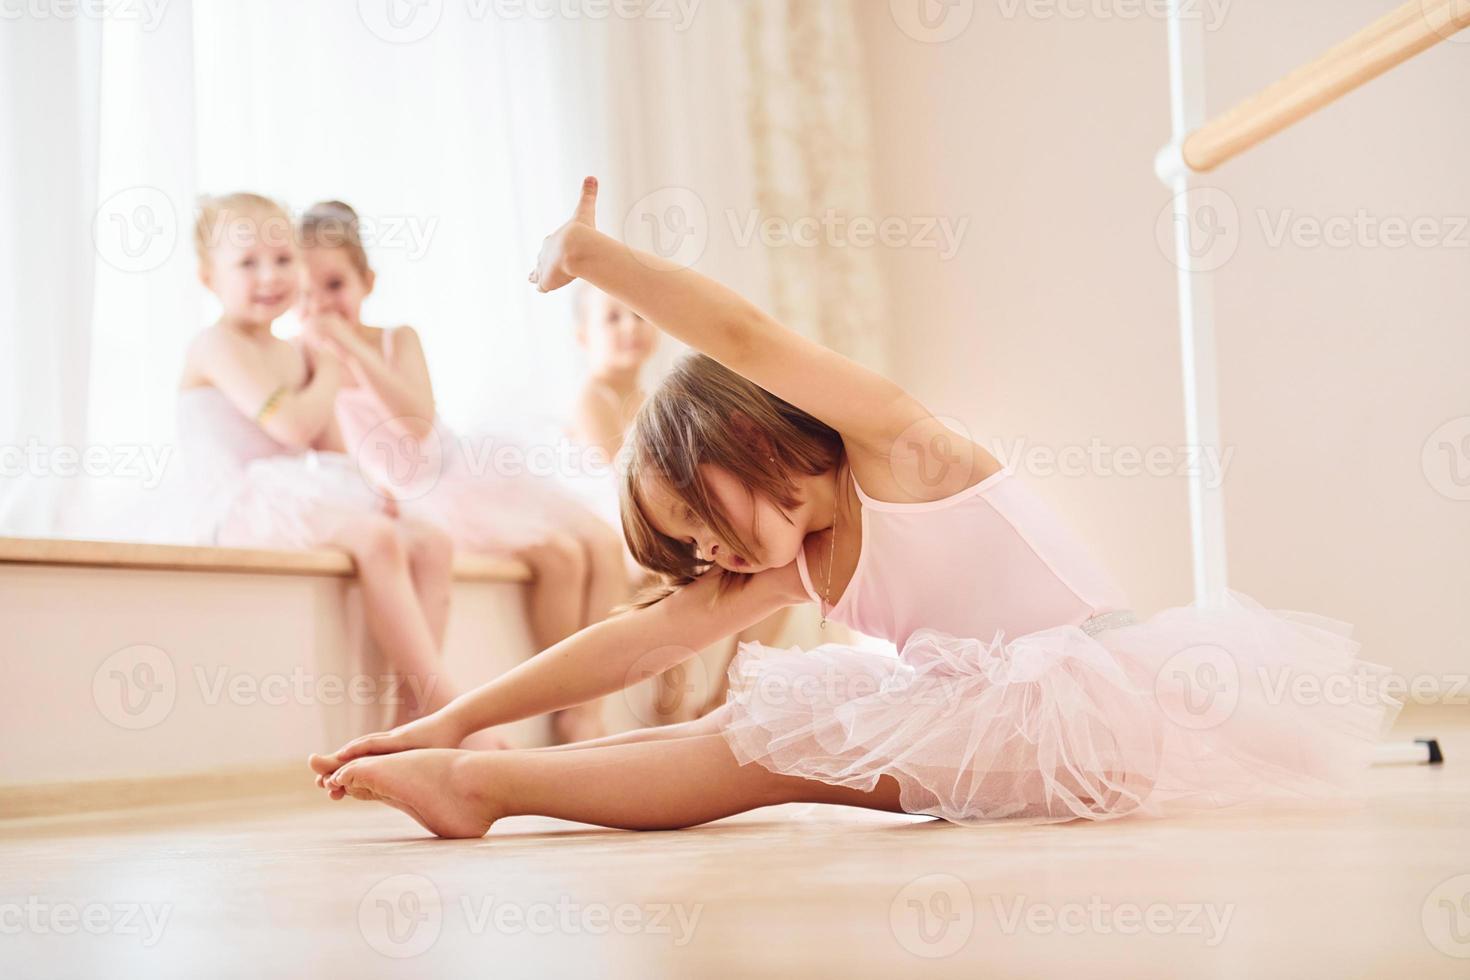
1339, 363
1055, 323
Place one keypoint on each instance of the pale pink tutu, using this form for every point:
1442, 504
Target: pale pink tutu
486, 508
1193, 708
492, 492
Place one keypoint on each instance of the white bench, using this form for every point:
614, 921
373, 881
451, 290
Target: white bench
144, 673
139, 672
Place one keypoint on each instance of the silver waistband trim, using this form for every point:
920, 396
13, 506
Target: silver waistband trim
1109, 621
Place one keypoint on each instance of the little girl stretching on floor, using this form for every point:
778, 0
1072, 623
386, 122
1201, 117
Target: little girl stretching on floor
385, 406
773, 471
255, 420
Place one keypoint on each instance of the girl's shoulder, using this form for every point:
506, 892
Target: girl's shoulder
599, 398
218, 349
395, 342
212, 343
928, 461
401, 334
219, 335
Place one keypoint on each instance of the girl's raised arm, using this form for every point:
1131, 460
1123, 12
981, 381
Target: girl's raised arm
861, 404
603, 658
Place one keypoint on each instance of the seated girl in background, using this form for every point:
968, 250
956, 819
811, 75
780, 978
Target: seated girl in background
618, 343
256, 426
385, 406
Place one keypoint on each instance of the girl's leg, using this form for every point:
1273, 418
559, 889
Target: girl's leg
431, 565
556, 597
660, 785
607, 574
607, 588
707, 725
394, 617
556, 605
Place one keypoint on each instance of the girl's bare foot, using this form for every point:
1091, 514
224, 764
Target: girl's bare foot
443, 789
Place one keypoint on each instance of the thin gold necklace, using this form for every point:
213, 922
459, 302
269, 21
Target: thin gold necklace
832, 552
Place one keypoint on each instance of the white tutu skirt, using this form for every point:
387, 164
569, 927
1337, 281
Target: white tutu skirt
293, 502
1192, 708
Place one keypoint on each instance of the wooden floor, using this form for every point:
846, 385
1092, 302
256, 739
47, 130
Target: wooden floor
290, 887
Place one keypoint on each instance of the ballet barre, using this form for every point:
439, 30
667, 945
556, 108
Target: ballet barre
1390, 41
1199, 144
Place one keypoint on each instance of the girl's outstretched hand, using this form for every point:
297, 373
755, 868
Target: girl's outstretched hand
435, 731
551, 271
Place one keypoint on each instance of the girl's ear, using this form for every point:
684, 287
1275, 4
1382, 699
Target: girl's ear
204, 276
368, 281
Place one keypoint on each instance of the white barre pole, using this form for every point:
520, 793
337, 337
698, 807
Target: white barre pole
1196, 318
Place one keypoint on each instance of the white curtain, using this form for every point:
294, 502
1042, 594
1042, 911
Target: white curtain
459, 149
146, 302
809, 131
459, 131
48, 159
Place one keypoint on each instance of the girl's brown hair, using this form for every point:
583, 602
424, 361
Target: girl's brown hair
334, 224
704, 413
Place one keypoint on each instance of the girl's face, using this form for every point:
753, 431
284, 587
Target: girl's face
253, 268
615, 337
776, 534
330, 283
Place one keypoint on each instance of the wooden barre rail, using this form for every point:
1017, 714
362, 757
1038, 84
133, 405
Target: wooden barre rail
1410, 30
189, 558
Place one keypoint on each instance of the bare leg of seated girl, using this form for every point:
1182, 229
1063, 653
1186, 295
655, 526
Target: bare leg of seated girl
395, 617
579, 577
